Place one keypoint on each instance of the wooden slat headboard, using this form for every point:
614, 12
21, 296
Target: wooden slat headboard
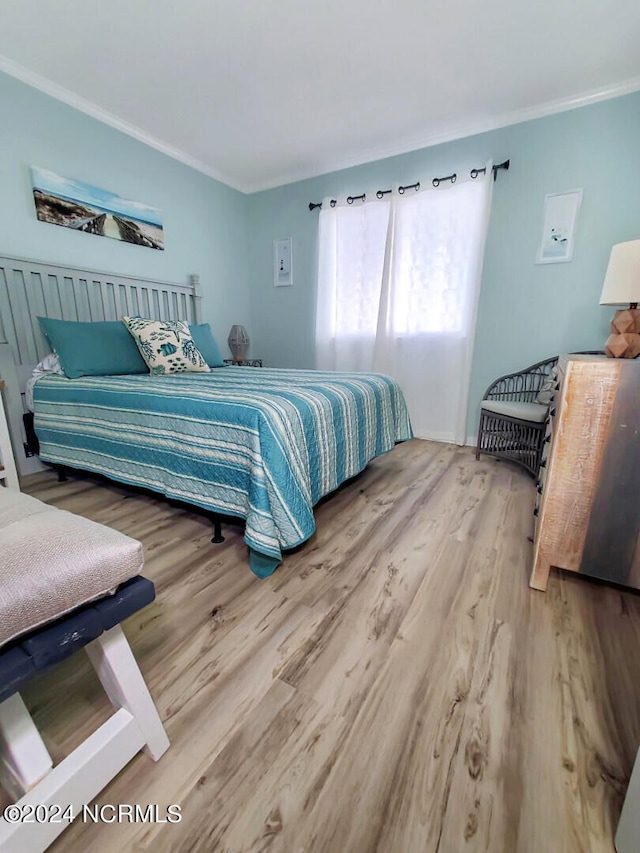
32, 289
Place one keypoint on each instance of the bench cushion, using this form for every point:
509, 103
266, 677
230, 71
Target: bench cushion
52, 562
32, 653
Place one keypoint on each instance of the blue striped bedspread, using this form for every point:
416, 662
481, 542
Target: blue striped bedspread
258, 443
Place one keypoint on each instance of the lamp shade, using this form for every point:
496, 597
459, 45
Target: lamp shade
622, 281
238, 341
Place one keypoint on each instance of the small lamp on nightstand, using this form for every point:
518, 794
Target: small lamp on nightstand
622, 287
238, 341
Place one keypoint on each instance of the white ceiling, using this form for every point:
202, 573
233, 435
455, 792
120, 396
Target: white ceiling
263, 92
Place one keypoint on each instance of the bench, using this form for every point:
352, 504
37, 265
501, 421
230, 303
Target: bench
66, 583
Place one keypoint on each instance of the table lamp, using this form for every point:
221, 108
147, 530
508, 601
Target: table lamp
238, 341
622, 287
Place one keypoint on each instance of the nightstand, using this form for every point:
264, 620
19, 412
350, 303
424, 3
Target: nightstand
8, 471
244, 362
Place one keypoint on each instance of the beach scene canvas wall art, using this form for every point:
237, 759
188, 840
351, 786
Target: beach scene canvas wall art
74, 204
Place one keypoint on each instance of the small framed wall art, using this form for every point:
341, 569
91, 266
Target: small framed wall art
559, 227
282, 263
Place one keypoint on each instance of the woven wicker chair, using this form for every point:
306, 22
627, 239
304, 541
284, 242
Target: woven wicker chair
512, 423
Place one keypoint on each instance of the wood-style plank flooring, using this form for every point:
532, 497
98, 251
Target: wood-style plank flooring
395, 686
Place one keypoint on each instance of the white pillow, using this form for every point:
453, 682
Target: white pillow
166, 345
49, 364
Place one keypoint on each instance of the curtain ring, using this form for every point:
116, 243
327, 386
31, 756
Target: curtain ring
436, 182
416, 186
454, 178
333, 202
401, 190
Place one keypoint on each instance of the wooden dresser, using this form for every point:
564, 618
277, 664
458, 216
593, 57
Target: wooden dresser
588, 506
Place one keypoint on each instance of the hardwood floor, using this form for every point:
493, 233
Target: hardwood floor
395, 686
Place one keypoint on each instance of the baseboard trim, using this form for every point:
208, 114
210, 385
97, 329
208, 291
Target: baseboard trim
445, 438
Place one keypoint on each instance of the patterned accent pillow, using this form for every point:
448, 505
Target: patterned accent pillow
546, 393
166, 345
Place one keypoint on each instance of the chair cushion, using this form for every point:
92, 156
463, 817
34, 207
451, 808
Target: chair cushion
53, 561
523, 411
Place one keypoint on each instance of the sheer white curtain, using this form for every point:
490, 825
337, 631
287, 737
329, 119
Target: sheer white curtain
351, 255
398, 288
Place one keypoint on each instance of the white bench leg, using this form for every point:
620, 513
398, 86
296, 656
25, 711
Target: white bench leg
24, 759
73, 783
628, 832
7, 461
116, 667
25, 765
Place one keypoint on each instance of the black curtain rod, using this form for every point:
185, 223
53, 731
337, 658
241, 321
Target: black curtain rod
435, 182
475, 172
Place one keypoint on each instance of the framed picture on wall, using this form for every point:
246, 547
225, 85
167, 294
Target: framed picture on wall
282, 263
559, 227
85, 208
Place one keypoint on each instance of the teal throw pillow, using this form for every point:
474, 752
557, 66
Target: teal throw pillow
206, 343
104, 348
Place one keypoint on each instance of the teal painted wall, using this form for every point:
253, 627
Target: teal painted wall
205, 222
527, 311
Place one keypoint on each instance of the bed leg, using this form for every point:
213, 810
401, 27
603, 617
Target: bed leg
217, 530
62, 473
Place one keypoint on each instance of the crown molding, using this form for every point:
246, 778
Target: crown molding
415, 143
31, 78
359, 158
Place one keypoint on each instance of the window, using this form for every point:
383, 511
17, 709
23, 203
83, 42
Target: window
398, 287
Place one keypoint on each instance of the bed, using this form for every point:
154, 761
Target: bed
257, 443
